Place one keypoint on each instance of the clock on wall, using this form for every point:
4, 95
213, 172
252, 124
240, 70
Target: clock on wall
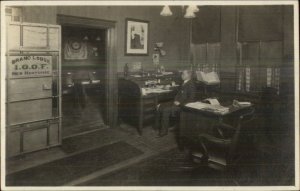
75, 45
75, 50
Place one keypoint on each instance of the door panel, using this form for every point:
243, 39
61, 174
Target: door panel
35, 139
30, 88
27, 111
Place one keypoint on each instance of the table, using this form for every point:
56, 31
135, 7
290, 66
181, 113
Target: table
194, 122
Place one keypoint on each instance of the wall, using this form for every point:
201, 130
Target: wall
228, 47
259, 20
173, 31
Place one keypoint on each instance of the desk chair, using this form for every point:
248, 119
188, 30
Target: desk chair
220, 150
269, 102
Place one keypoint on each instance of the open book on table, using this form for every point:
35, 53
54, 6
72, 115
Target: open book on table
209, 78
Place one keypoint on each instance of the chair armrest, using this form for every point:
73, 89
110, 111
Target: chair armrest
248, 116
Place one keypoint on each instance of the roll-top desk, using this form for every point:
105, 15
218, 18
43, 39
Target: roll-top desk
138, 101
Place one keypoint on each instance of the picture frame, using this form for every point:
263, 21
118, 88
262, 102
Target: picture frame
136, 37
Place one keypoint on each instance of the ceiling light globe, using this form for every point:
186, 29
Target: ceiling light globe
189, 13
166, 11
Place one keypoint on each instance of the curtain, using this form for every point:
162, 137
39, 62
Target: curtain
260, 23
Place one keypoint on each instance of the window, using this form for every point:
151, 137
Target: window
206, 56
259, 65
13, 14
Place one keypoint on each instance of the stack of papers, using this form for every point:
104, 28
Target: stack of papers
146, 91
212, 101
85, 82
136, 75
167, 73
95, 81
208, 107
241, 103
197, 105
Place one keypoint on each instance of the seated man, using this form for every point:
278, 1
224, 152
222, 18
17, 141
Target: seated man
185, 95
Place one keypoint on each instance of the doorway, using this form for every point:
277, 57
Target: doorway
87, 64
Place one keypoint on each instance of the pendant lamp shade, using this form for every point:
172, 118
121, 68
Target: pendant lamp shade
166, 11
189, 13
195, 8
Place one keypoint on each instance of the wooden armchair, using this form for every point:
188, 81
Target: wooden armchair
220, 150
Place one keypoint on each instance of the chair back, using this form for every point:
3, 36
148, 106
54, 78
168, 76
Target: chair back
243, 121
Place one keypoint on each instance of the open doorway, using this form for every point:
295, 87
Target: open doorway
89, 79
84, 67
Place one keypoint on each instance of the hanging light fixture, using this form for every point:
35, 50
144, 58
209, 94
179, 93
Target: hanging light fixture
85, 38
194, 8
166, 11
189, 13
98, 38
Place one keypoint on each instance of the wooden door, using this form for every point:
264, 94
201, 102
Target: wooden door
33, 80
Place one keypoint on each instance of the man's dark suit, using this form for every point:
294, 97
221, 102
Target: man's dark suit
185, 95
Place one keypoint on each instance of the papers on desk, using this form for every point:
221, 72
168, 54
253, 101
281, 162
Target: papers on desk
237, 103
167, 73
213, 101
85, 82
146, 91
136, 75
197, 105
208, 107
95, 81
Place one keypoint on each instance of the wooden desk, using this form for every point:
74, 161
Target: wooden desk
195, 121
137, 109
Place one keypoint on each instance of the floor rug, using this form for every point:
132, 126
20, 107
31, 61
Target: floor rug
64, 170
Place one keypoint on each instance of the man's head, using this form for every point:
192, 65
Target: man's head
186, 75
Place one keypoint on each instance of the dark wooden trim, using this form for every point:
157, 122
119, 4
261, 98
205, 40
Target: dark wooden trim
67, 20
125, 42
112, 80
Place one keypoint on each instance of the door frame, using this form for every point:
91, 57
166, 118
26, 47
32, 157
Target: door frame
111, 86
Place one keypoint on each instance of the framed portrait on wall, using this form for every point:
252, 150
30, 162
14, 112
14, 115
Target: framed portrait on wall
137, 33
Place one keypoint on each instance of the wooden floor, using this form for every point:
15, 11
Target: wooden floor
148, 143
78, 118
160, 158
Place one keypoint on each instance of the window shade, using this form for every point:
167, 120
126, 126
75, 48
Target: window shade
259, 65
260, 23
206, 25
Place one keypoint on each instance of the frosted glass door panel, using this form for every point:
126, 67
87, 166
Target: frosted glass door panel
30, 88
14, 33
34, 36
54, 38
